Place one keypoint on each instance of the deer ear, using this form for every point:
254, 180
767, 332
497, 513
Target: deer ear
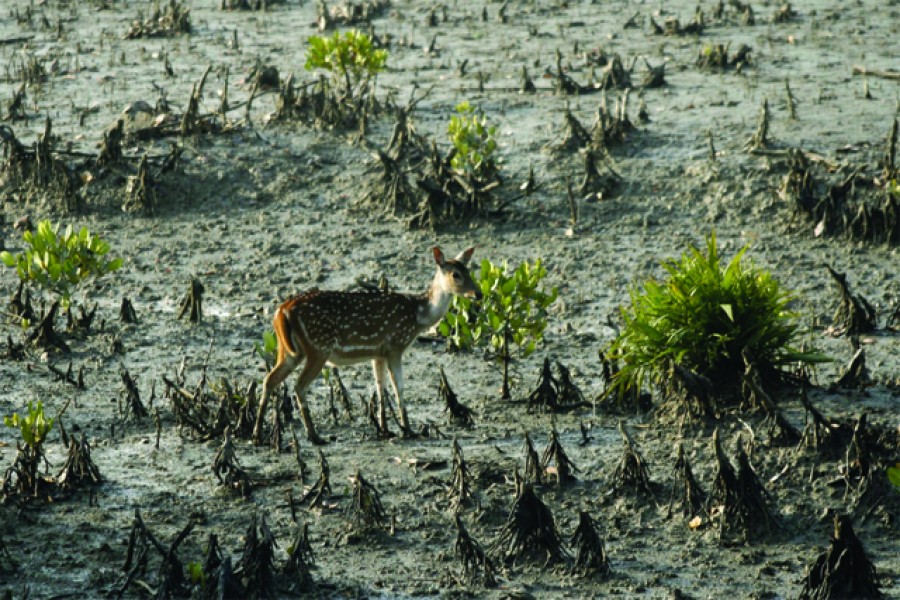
466, 255
438, 256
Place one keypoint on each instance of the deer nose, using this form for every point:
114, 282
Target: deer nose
477, 294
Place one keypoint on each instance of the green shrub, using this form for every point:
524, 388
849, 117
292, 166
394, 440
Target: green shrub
710, 319
59, 262
473, 141
34, 426
349, 57
512, 303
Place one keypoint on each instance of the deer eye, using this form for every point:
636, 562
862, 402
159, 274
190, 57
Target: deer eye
457, 276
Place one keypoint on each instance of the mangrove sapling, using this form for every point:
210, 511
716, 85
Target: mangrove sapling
192, 303
353, 62
554, 453
477, 565
268, 349
533, 470
854, 314
23, 477
256, 567
300, 562
59, 262
79, 468
842, 571
459, 413
228, 470
460, 490
738, 499
632, 471
513, 310
530, 532
366, 510
693, 497
590, 553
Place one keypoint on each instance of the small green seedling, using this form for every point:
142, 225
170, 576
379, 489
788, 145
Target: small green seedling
268, 349
59, 262
513, 310
34, 426
196, 574
350, 57
473, 142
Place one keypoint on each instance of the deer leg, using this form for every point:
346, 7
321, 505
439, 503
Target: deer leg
395, 368
276, 376
379, 367
310, 371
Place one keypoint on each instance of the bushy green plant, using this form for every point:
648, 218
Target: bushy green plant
350, 57
512, 304
707, 317
59, 262
473, 141
34, 426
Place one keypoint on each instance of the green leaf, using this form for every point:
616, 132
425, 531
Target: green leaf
728, 311
893, 474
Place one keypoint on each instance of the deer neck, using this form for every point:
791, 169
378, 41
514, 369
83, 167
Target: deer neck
436, 301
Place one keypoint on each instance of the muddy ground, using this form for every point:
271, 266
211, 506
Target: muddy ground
270, 208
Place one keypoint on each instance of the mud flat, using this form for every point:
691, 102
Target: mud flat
769, 146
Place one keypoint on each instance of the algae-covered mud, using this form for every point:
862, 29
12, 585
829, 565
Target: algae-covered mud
191, 138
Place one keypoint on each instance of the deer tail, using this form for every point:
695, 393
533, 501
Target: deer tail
284, 333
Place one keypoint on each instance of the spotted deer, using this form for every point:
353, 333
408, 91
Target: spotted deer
343, 328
